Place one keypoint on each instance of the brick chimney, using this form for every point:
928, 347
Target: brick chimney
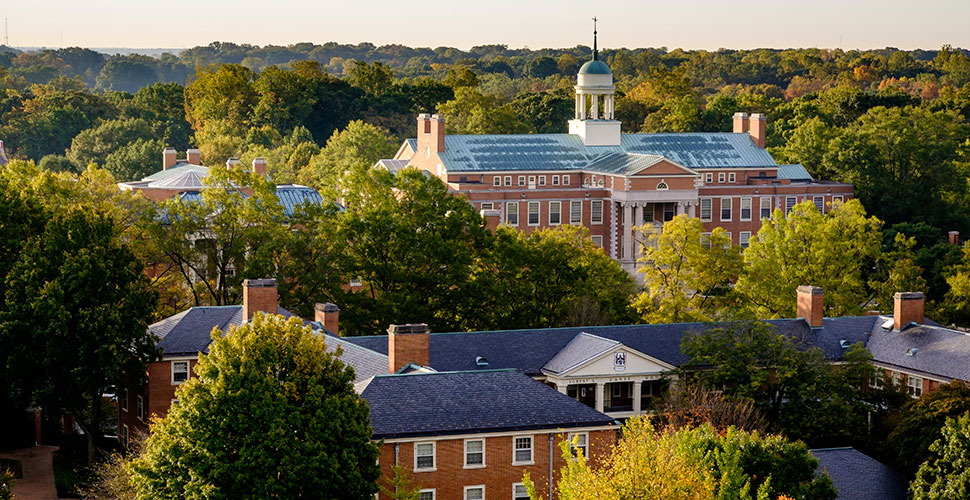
424, 124
193, 156
810, 305
259, 167
259, 295
954, 237
407, 344
740, 123
438, 132
758, 129
907, 308
328, 315
168, 158
233, 163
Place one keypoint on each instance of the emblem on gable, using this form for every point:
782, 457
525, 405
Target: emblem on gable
619, 361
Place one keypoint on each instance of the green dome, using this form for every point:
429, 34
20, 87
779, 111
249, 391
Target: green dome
595, 68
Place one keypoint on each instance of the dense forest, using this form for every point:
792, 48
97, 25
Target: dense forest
892, 122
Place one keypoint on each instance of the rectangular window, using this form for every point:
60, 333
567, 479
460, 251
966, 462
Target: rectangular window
819, 203
519, 492
533, 213
706, 209
596, 212
725, 209
765, 208
565, 180
669, 209
542, 180
487, 206
731, 177
124, 434
709, 178
512, 213
140, 408
508, 180
532, 182
914, 385
720, 177
180, 371
744, 238
355, 282
522, 180
706, 240
475, 492
648, 212
576, 212
497, 180
555, 180
423, 456
597, 240
523, 450
745, 209
836, 199
426, 494
124, 399
555, 213
474, 453
790, 203
577, 443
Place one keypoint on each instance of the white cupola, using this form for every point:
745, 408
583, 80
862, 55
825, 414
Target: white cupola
594, 121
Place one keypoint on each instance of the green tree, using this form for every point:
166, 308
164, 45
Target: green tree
375, 79
687, 277
134, 160
163, 105
95, 144
128, 73
806, 247
6, 484
541, 67
355, 148
898, 272
271, 414
956, 303
283, 99
919, 422
545, 112
45, 122
220, 93
472, 112
944, 476
78, 295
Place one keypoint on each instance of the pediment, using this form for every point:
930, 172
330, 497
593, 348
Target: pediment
664, 166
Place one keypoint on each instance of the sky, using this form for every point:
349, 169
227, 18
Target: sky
689, 24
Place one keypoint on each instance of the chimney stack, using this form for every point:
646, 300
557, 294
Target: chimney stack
954, 237
193, 156
259, 167
233, 163
424, 124
740, 123
168, 158
438, 132
907, 308
407, 344
810, 305
259, 295
757, 128
328, 315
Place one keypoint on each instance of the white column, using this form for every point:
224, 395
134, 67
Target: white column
600, 395
637, 221
637, 388
596, 106
576, 109
627, 231
582, 106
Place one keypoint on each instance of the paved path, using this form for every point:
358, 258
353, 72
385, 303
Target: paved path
38, 480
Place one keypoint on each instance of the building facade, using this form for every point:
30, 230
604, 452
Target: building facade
614, 183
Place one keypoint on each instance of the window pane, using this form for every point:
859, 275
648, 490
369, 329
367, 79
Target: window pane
819, 203
555, 216
596, 212
576, 212
765, 208
520, 493
426, 495
533, 213
474, 494
725, 209
706, 209
512, 214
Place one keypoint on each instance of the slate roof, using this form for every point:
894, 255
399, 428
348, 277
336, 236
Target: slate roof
365, 362
581, 348
470, 402
940, 351
530, 350
860, 477
796, 173
189, 332
482, 153
392, 164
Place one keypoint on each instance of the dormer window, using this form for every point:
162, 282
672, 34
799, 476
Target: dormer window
662, 186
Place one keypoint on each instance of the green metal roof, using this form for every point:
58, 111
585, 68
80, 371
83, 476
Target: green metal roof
796, 173
493, 153
623, 163
595, 68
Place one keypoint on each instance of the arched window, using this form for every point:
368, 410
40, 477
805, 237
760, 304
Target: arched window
662, 186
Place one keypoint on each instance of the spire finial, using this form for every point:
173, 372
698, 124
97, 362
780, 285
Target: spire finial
595, 55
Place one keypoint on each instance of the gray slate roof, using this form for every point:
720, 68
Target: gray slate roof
482, 153
190, 332
470, 402
581, 348
859, 477
940, 351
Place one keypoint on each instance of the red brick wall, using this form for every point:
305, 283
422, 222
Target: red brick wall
157, 394
498, 475
404, 348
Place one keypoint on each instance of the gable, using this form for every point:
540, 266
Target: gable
633, 362
665, 167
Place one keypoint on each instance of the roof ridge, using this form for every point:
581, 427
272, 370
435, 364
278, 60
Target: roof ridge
455, 372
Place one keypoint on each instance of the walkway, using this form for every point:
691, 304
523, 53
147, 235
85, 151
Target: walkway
38, 480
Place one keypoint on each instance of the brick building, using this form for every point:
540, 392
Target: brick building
611, 182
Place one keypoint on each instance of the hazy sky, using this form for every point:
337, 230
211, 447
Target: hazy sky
706, 24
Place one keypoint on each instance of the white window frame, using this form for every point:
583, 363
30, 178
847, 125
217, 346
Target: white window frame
125, 434
584, 446
573, 204
508, 180
516, 486
532, 450
487, 205
710, 209
124, 399
741, 213
592, 212
838, 198
521, 180
597, 240
510, 207
744, 239
790, 208
730, 209
427, 490
662, 186
555, 180
187, 375
434, 457
732, 177
538, 213
720, 177
819, 202
762, 207
557, 211
709, 178
140, 408
542, 180
465, 459
497, 181
914, 385
532, 182
473, 487
706, 240
565, 180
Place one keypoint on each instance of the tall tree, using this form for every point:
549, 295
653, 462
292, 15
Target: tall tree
944, 476
920, 421
357, 147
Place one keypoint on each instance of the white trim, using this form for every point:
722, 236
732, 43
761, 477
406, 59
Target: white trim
521, 180
140, 408
126, 434
464, 495
585, 435
578, 203
465, 464
532, 450
609, 351
188, 369
507, 213
434, 457
591, 212
710, 209
542, 180
559, 212
597, 240
528, 213
565, 179
508, 181
514, 486
427, 490
732, 177
761, 207
496, 181
720, 177
741, 239
741, 210
124, 399
730, 205
709, 177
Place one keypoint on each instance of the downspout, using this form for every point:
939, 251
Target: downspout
550, 465
397, 454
